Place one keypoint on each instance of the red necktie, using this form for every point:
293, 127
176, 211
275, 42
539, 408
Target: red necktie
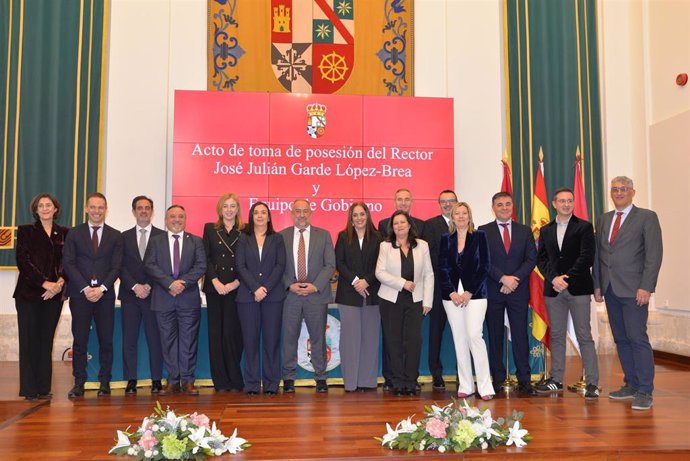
506, 237
301, 258
616, 227
94, 238
176, 257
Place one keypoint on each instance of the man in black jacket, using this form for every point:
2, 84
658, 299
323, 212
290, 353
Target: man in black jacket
92, 257
565, 257
134, 296
434, 229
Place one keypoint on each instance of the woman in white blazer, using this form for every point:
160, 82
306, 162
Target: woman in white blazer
405, 297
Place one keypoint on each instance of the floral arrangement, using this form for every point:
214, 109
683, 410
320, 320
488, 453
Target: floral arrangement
455, 428
164, 435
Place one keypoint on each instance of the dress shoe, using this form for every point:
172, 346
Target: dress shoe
169, 389
388, 385
156, 386
131, 388
526, 389
189, 389
270, 393
252, 393
417, 386
398, 392
321, 386
288, 386
438, 384
104, 389
234, 390
47, 396
31, 398
410, 392
76, 391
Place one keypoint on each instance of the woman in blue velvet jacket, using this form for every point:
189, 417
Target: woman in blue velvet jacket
464, 265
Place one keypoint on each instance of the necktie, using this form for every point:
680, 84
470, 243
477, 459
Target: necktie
176, 257
94, 238
616, 227
506, 237
301, 258
142, 243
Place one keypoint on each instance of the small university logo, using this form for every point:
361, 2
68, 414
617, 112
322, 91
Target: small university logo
316, 120
312, 44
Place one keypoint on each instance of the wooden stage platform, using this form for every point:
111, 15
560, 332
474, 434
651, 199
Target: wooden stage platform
339, 425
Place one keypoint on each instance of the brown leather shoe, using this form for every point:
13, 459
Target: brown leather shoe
189, 389
169, 389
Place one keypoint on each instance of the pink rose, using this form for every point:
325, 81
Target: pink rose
200, 420
147, 441
436, 428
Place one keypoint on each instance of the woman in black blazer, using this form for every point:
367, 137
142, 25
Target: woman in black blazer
356, 252
220, 286
464, 265
260, 266
38, 295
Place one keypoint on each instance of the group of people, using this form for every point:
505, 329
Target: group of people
260, 286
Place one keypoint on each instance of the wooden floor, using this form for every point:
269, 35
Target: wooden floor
309, 426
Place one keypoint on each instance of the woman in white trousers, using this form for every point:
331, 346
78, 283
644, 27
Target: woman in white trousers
464, 266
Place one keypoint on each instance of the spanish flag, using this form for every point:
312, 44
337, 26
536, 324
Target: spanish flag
540, 217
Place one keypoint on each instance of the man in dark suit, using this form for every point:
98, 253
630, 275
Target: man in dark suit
309, 264
403, 202
92, 257
134, 296
513, 257
629, 254
175, 261
434, 229
565, 257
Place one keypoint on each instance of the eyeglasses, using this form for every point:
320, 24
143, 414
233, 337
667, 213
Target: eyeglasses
623, 189
564, 201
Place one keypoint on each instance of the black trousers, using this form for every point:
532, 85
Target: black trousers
402, 329
36, 323
224, 342
437, 324
132, 312
103, 313
517, 318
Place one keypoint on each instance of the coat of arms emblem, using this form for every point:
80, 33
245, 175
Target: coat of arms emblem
312, 44
316, 120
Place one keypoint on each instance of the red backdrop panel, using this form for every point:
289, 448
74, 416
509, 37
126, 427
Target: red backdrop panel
258, 145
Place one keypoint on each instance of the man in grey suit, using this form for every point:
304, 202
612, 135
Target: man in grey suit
629, 253
175, 261
309, 264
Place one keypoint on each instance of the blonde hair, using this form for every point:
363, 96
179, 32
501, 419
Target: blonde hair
239, 225
451, 227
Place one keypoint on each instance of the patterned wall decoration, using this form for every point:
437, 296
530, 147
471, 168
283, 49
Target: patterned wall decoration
51, 108
311, 46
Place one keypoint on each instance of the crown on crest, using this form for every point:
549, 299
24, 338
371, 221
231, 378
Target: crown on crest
317, 109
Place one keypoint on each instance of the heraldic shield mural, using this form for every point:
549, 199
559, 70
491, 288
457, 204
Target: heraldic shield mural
312, 44
308, 46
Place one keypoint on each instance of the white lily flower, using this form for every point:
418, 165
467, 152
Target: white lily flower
406, 426
172, 419
515, 435
234, 443
198, 436
389, 436
144, 425
122, 441
472, 412
441, 449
